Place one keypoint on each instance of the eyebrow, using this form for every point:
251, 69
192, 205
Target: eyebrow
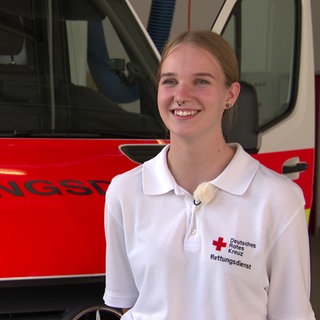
167, 74
197, 74
204, 74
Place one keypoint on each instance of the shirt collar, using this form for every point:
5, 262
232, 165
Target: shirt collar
156, 176
235, 178
238, 174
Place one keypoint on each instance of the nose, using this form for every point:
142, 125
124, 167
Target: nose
183, 94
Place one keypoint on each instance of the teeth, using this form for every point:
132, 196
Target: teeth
185, 113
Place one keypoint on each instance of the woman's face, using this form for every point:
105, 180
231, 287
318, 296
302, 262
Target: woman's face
192, 94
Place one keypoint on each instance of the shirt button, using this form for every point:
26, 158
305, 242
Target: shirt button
194, 231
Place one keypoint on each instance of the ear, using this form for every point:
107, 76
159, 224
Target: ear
234, 91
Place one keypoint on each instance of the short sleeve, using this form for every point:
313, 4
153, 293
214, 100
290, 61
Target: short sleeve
289, 273
120, 288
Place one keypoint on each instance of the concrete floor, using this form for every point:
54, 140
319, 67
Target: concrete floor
315, 273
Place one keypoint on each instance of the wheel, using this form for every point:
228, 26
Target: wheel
92, 312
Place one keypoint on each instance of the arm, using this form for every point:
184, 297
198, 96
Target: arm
289, 273
120, 289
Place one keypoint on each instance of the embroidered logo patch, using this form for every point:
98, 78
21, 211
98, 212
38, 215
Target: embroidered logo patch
234, 247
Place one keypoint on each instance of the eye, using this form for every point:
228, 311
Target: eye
201, 82
168, 82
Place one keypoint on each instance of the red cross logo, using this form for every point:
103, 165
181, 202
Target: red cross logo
219, 244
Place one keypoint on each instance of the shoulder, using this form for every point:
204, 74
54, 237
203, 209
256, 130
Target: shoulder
249, 177
125, 182
277, 199
140, 179
278, 185
267, 181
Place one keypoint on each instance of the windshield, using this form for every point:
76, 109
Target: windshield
76, 67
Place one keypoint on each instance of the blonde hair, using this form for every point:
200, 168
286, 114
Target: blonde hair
214, 44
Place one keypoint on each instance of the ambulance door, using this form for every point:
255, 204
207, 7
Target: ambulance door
273, 42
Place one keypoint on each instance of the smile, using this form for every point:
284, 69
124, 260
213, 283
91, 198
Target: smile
185, 113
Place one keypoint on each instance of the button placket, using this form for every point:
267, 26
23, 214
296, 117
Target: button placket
192, 239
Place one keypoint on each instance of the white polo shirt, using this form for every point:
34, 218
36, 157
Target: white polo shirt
242, 256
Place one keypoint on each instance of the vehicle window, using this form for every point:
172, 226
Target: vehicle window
264, 35
69, 68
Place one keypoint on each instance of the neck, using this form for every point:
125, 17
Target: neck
194, 163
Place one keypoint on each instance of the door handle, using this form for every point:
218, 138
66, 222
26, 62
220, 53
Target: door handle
298, 167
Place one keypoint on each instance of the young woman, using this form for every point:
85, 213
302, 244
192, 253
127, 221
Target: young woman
203, 231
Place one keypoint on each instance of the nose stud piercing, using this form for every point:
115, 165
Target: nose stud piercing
180, 103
